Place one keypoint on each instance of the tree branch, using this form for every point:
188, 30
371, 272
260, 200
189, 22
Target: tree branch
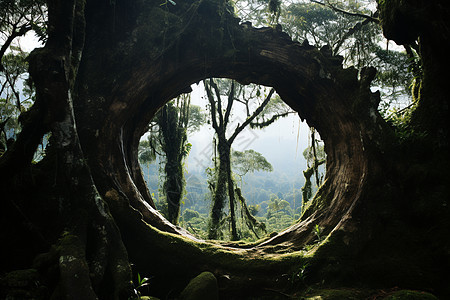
252, 117
327, 4
230, 102
271, 120
351, 31
16, 94
219, 103
213, 106
23, 29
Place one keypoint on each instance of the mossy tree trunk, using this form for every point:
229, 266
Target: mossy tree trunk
220, 119
220, 193
383, 210
223, 179
174, 136
224, 187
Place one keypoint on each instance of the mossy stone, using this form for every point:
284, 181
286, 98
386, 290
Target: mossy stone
202, 287
335, 294
21, 284
20, 278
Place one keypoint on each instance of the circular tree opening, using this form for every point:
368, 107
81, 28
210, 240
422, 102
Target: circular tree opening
231, 161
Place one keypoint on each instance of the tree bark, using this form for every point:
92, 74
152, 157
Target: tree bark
138, 55
220, 192
174, 139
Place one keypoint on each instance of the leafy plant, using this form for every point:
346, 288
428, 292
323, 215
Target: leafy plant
168, 1
318, 231
141, 282
300, 275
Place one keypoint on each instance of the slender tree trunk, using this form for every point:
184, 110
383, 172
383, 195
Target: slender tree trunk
174, 138
173, 187
220, 191
226, 159
234, 233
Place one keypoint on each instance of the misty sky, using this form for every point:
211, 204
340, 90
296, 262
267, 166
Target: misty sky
277, 142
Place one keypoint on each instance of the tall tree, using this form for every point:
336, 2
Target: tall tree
351, 29
15, 96
220, 120
173, 123
19, 17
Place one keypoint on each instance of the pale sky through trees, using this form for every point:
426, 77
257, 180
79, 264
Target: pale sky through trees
277, 142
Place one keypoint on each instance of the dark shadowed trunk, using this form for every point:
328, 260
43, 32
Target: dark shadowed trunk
107, 69
174, 137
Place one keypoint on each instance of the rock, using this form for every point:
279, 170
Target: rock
21, 284
202, 287
20, 278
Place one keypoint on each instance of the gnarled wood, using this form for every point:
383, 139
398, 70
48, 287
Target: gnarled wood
138, 55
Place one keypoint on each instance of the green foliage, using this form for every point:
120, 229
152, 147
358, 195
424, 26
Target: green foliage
357, 39
348, 33
189, 214
146, 150
300, 275
259, 189
274, 110
308, 154
313, 22
400, 119
140, 284
318, 233
276, 204
196, 118
16, 19
254, 209
19, 17
15, 96
249, 161
167, 138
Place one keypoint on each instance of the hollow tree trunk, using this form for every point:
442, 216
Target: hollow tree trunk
137, 56
74, 204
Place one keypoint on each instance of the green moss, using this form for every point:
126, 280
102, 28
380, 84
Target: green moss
355, 293
410, 295
321, 200
220, 255
204, 286
336, 294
